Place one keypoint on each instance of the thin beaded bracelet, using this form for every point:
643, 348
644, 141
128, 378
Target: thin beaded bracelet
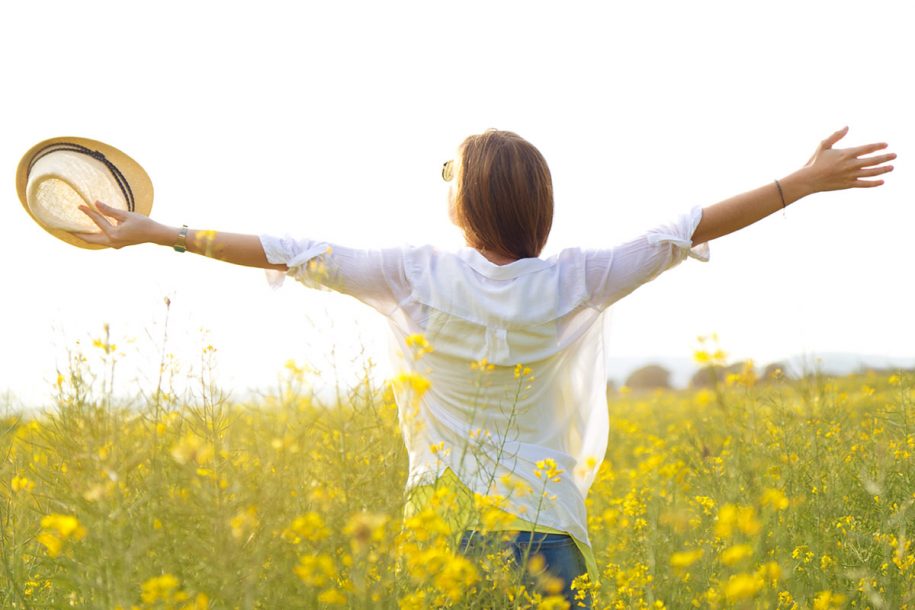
781, 194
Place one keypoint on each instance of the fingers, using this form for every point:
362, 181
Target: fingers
869, 161
857, 151
115, 213
875, 171
93, 238
97, 218
828, 142
864, 184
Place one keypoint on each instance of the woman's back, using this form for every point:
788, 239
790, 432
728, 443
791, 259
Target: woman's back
516, 370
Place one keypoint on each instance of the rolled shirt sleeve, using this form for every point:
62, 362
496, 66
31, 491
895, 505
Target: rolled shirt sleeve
375, 277
614, 273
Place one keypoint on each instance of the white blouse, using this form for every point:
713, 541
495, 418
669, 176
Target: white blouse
483, 416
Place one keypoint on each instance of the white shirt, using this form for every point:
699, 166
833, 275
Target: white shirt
487, 424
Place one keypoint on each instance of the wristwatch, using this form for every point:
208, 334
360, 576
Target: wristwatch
181, 243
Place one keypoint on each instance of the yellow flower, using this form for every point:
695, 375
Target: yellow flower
192, 448
774, 498
827, 600
548, 469
437, 448
244, 522
553, 602
66, 526
684, 559
736, 554
456, 577
517, 486
742, 518
57, 529
412, 381
51, 543
522, 371
419, 345
309, 526
707, 504
21, 483
742, 586
484, 366
414, 601
332, 597
426, 525
769, 571
315, 570
492, 511
165, 588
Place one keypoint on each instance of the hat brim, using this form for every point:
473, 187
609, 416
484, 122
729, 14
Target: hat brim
140, 184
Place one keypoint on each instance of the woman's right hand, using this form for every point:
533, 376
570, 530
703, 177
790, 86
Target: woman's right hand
118, 228
832, 169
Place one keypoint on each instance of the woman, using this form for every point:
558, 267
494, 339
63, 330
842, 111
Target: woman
511, 344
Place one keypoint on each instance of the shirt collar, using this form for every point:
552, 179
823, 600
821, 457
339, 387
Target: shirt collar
487, 268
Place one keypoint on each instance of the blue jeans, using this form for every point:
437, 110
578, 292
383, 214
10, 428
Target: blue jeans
561, 558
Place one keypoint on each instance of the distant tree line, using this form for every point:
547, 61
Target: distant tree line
656, 377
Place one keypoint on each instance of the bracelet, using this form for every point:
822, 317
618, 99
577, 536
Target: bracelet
181, 243
780, 193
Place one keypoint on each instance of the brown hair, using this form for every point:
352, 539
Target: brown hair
504, 196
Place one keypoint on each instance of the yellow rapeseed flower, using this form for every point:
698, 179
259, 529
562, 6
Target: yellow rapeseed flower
164, 588
492, 511
52, 544
775, 498
244, 523
684, 559
192, 448
742, 586
735, 554
827, 600
770, 572
66, 526
456, 577
707, 504
332, 597
522, 371
553, 602
57, 529
21, 483
548, 469
419, 345
309, 526
412, 381
315, 570
731, 517
516, 486
483, 365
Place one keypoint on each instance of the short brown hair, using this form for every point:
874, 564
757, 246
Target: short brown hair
504, 196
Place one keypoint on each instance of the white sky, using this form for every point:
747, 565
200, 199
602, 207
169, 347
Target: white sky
332, 119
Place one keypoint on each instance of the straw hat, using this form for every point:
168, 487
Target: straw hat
58, 175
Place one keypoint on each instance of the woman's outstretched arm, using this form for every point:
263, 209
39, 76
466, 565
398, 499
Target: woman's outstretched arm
130, 229
829, 169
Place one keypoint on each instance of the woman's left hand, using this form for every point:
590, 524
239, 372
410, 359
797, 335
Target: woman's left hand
832, 169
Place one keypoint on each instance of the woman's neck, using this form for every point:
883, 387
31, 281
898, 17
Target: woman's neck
496, 259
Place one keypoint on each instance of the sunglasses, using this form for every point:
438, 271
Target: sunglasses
448, 170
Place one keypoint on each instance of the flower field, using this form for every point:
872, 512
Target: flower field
785, 494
